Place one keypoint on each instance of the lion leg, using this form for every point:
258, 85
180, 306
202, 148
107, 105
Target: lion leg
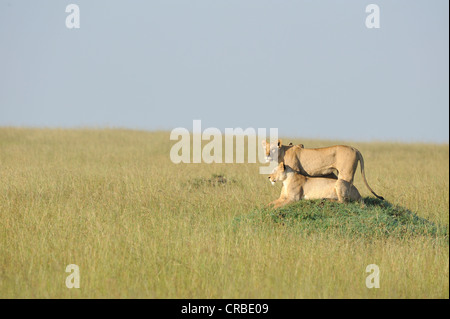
286, 201
282, 202
278, 203
355, 195
275, 203
343, 189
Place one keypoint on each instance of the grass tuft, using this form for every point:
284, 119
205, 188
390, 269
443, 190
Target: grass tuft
214, 181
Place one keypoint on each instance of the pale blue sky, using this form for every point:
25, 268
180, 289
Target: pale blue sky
310, 68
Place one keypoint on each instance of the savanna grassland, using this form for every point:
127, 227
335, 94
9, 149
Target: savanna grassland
140, 226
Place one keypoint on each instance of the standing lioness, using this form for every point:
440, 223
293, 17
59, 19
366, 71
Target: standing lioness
321, 162
297, 186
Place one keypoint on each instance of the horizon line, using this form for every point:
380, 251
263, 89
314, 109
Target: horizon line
320, 138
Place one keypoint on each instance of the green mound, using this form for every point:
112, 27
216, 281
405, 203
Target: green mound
371, 218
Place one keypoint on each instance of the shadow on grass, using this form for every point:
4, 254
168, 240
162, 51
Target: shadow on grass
371, 218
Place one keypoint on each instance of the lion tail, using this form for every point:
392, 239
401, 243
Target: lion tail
361, 161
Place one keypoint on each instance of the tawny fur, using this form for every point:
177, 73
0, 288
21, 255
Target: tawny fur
322, 162
297, 187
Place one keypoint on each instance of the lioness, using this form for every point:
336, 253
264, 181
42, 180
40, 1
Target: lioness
297, 186
341, 159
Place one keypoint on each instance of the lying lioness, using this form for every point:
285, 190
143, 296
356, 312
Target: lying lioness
340, 159
297, 186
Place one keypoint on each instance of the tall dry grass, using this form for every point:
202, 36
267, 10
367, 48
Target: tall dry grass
139, 226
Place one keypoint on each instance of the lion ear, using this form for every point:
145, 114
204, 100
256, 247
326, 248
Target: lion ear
263, 142
279, 143
281, 166
290, 144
